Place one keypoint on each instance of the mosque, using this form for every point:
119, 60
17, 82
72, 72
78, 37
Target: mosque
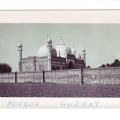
52, 58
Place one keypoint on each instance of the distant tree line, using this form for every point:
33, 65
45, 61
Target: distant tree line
116, 63
5, 68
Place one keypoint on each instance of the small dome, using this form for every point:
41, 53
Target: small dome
19, 44
78, 56
68, 50
62, 50
43, 51
73, 50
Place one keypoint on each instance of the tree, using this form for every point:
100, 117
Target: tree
116, 63
5, 68
108, 65
88, 66
103, 66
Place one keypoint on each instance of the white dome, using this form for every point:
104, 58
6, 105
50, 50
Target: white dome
43, 51
62, 50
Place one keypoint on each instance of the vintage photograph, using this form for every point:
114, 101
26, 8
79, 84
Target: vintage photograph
59, 54
59, 60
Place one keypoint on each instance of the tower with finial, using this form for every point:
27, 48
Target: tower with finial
73, 50
20, 49
84, 56
49, 46
61, 41
78, 56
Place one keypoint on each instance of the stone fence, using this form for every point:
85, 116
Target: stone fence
73, 76
57, 76
102, 76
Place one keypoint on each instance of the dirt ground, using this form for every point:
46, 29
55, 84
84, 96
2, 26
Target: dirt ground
57, 90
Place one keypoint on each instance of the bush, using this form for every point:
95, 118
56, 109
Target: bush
116, 63
5, 68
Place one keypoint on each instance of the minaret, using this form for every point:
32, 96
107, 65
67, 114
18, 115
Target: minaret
49, 45
78, 56
61, 41
74, 51
59, 53
20, 55
84, 56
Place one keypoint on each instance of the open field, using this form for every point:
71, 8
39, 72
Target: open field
57, 90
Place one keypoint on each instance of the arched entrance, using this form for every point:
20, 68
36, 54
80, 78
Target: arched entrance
70, 65
58, 68
63, 67
53, 67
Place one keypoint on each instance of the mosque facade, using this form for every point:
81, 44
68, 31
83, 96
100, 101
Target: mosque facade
52, 58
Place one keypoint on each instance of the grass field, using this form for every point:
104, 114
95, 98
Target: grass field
57, 90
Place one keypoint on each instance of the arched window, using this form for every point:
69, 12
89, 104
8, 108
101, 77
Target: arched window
71, 65
53, 67
63, 67
58, 68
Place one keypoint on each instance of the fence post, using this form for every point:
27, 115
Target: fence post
99, 75
15, 77
118, 72
82, 80
33, 77
2, 77
43, 76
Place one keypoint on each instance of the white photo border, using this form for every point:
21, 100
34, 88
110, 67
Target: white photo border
60, 16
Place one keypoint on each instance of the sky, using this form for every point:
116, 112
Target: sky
101, 41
